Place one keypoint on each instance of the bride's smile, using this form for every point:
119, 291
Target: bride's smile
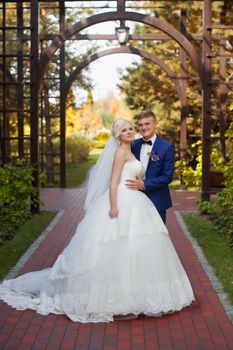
127, 133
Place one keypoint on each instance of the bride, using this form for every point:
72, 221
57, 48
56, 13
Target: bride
120, 260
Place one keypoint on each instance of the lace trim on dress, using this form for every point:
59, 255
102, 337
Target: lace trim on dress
102, 303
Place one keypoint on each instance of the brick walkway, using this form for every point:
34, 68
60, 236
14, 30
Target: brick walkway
203, 326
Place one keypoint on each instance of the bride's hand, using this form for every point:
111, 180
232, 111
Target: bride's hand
113, 213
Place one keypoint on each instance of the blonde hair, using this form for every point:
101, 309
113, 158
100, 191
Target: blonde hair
117, 127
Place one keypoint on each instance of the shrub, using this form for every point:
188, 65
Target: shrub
10, 221
191, 169
190, 177
221, 211
15, 192
100, 139
77, 149
228, 175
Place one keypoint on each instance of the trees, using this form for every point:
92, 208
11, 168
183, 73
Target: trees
146, 86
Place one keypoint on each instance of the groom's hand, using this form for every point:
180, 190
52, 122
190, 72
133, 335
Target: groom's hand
137, 184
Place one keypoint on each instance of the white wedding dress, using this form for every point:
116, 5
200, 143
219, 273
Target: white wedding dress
110, 267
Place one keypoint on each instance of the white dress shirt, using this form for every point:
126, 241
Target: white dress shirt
145, 152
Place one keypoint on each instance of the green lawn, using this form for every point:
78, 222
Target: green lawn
11, 251
76, 173
215, 247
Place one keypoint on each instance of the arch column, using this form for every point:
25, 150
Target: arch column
184, 108
62, 102
34, 100
206, 99
223, 92
183, 74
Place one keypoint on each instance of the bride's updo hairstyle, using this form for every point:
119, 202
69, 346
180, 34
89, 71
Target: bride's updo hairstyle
117, 127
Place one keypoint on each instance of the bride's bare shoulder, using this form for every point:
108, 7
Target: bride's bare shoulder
120, 155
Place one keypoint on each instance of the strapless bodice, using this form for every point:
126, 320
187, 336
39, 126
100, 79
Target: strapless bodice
131, 170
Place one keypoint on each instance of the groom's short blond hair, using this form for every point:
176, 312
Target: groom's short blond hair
146, 114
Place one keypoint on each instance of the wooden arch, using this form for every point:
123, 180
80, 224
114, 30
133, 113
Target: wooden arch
60, 39
128, 50
113, 16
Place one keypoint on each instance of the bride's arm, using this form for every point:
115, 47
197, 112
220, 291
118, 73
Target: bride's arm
119, 160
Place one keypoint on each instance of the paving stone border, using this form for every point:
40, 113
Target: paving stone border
223, 297
24, 258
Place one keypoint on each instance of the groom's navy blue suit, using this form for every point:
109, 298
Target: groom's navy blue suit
159, 173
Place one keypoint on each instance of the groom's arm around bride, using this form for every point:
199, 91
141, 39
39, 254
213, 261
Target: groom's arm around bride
157, 156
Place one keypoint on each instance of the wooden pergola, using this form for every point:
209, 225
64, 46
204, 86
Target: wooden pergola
34, 51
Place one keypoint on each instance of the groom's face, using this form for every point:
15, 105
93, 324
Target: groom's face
146, 127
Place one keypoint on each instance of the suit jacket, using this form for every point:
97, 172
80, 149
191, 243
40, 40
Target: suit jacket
159, 172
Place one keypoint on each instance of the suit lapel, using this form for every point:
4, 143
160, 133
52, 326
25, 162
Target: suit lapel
137, 149
154, 149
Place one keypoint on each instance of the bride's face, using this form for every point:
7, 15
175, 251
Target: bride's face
127, 133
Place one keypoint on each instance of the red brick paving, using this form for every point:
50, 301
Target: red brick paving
203, 326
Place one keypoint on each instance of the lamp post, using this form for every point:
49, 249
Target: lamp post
122, 34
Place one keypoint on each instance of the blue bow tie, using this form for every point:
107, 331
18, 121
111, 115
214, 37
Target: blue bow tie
149, 142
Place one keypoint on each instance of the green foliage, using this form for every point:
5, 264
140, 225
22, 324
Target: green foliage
215, 247
205, 207
12, 250
190, 168
15, 192
10, 221
110, 107
228, 175
221, 212
42, 179
146, 86
76, 173
15, 185
187, 173
228, 171
100, 139
77, 149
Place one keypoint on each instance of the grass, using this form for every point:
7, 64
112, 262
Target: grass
76, 173
11, 251
215, 247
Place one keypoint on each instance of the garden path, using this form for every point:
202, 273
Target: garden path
203, 326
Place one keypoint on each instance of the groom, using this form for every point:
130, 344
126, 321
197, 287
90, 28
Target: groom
157, 158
